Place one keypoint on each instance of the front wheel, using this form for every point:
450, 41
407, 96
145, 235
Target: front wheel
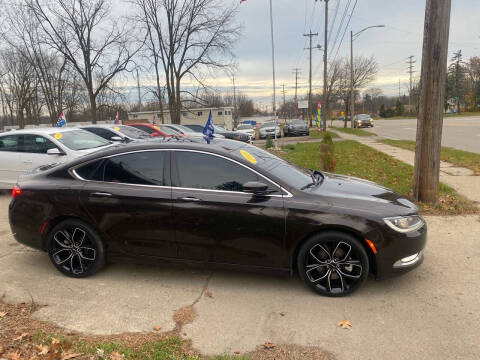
75, 249
333, 263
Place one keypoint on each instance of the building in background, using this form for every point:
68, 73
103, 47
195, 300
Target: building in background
221, 116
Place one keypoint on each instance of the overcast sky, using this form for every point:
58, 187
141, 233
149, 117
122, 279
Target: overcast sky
391, 45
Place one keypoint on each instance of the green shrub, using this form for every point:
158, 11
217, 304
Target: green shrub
269, 143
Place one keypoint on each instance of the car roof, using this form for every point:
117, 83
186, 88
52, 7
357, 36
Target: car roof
143, 124
40, 131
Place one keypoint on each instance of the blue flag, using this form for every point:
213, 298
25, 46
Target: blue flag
61, 121
208, 130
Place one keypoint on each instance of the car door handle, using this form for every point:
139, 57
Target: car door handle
100, 194
27, 161
189, 199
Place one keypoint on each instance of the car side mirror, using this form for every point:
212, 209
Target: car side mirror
255, 188
116, 138
55, 151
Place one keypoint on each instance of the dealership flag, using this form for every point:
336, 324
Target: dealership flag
62, 121
318, 118
154, 120
116, 121
208, 130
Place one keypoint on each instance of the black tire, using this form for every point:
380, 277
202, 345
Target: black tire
75, 249
333, 255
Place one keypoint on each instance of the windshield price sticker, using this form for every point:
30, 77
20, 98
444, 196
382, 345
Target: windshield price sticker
58, 136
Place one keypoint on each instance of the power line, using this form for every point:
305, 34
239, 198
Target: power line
345, 31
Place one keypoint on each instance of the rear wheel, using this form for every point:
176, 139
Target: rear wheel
75, 249
333, 263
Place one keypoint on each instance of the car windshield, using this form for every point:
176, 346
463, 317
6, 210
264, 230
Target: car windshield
132, 132
290, 174
297, 122
245, 127
268, 124
167, 130
79, 139
184, 129
219, 128
363, 117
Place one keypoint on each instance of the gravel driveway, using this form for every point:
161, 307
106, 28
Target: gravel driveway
430, 313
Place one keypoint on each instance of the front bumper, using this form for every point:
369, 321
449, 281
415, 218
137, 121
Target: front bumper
399, 253
298, 131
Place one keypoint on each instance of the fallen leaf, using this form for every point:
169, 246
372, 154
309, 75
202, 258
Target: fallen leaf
345, 324
100, 352
20, 337
282, 314
2, 314
55, 341
208, 294
236, 352
116, 356
157, 327
269, 345
12, 355
43, 349
69, 355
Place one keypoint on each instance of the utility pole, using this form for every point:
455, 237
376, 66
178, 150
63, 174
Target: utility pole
139, 96
283, 92
352, 91
234, 103
310, 35
432, 93
325, 74
296, 71
410, 63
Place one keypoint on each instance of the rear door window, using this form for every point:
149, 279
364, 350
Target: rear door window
140, 168
9, 143
104, 133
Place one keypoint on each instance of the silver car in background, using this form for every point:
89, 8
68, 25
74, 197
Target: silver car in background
269, 129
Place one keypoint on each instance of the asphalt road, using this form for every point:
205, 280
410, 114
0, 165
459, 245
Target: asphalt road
430, 313
458, 132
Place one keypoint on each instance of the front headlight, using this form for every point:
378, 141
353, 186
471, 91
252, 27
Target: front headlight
404, 224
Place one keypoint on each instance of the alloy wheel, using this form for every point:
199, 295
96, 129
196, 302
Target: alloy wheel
333, 267
73, 251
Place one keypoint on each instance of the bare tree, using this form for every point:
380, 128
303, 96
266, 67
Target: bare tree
80, 30
50, 67
189, 37
17, 84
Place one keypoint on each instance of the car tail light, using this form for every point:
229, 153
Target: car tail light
16, 191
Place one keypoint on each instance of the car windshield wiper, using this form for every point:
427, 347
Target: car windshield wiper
317, 178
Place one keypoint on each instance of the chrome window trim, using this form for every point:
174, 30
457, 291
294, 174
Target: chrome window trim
75, 174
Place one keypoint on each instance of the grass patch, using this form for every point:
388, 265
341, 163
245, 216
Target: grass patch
315, 134
355, 159
357, 132
454, 156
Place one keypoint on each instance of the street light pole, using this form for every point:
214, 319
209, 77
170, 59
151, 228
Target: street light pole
273, 72
352, 90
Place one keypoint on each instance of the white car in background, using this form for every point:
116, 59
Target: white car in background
22, 150
269, 129
246, 129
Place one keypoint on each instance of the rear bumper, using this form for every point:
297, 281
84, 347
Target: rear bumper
25, 228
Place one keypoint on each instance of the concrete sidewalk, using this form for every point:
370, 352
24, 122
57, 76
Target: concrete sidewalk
460, 179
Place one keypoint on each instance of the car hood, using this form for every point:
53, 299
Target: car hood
269, 128
356, 193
